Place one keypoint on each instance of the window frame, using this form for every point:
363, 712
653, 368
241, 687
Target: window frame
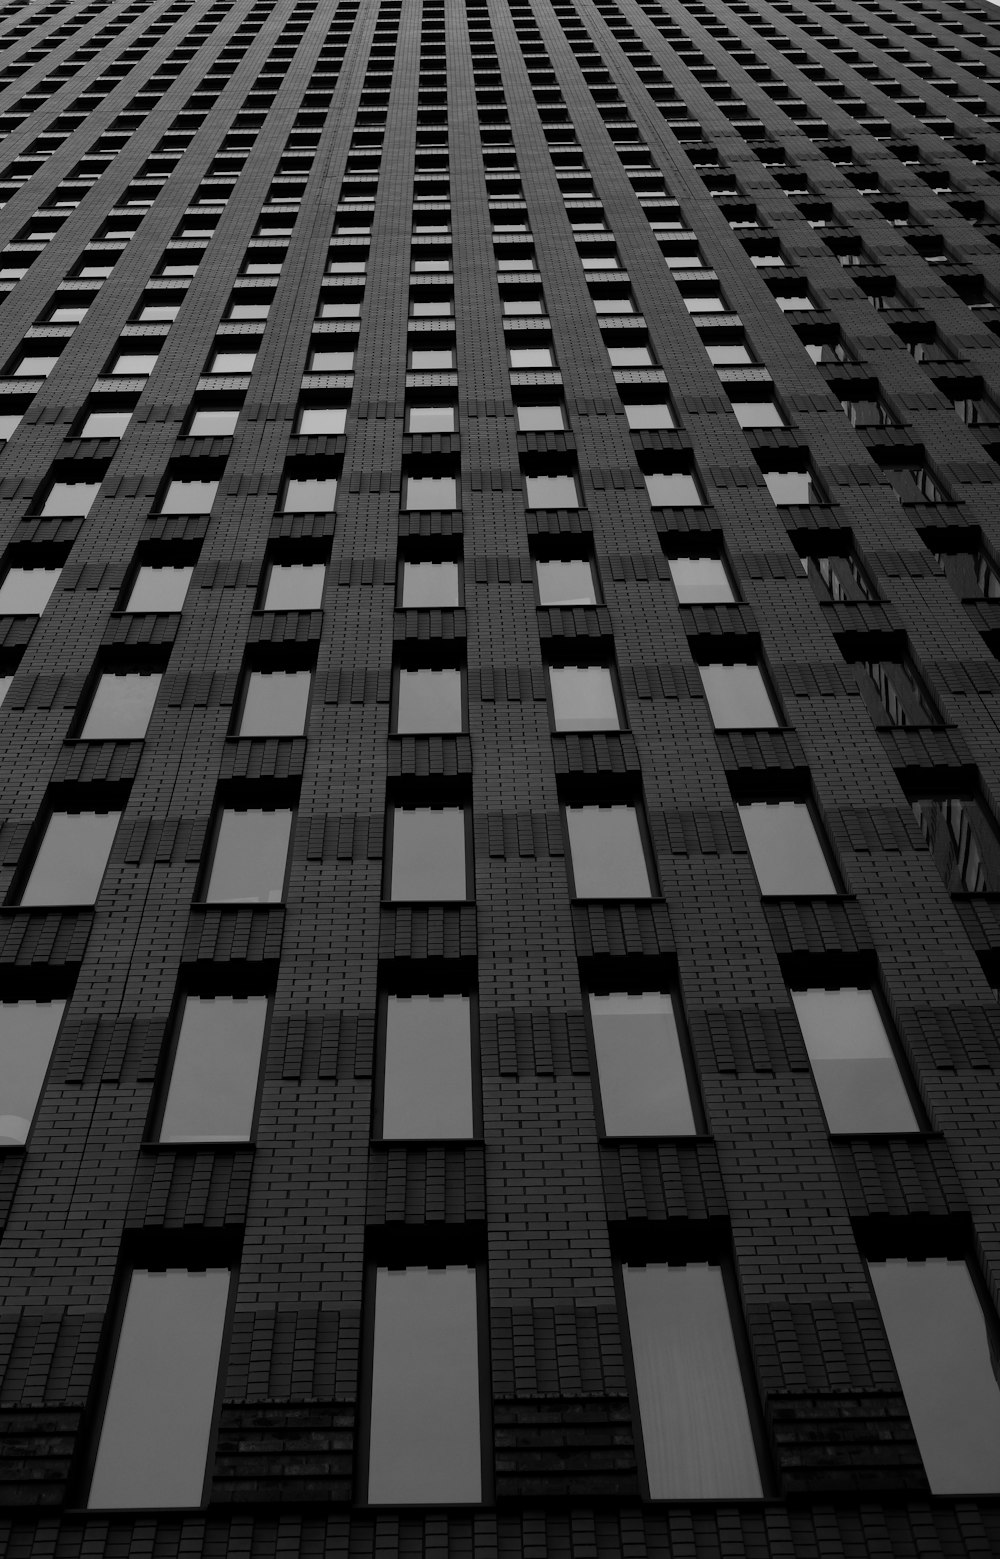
580, 665
838, 889
395, 805
208, 865
165, 1072
636, 987
397, 671
459, 563
18, 999
637, 806
378, 1134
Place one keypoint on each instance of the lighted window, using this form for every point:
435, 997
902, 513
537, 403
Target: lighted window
250, 856
189, 497
427, 584
427, 1074
310, 495
696, 1429
425, 1433
640, 1065
294, 587
69, 865
70, 500
215, 1069
607, 854
121, 706
738, 697
275, 703
786, 850
551, 492
673, 489
28, 1032
431, 492
944, 1351
856, 1072
25, 592
701, 581
566, 582
322, 421
428, 858
152, 1448
583, 698
159, 588
429, 701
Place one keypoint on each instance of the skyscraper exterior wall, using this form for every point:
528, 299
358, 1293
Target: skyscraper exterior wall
500, 830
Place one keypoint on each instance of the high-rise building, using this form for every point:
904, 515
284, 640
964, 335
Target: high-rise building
500, 936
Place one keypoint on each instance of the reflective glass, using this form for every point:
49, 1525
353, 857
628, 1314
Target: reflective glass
962, 841
429, 701
630, 356
700, 580
431, 492
153, 1443
551, 492
738, 697
724, 354
214, 422
425, 1432
310, 495
189, 497
70, 500
852, 1061
566, 582
757, 414
431, 359
430, 419
71, 858
427, 1083
673, 489
429, 584
540, 419
294, 587
232, 362
649, 414
159, 589
328, 421
640, 1067
531, 357
138, 363
428, 854
607, 853
251, 853
696, 1429
275, 704
121, 706
331, 362
27, 1034
790, 487
785, 848
25, 592
106, 424
10, 421
213, 1079
583, 698
945, 1356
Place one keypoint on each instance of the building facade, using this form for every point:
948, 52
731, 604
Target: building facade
500, 936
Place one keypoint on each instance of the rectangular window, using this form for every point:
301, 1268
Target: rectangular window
640, 1065
673, 490
551, 492
25, 592
425, 1434
429, 702
214, 422
540, 418
785, 848
294, 587
962, 840
69, 500
427, 1075
182, 497
106, 424
215, 1070
28, 1032
945, 1354
696, 1429
121, 706
895, 694
791, 487
425, 585
428, 861
566, 582
700, 581
275, 703
250, 856
857, 1075
322, 421
607, 853
71, 860
152, 1448
430, 419
738, 697
583, 698
431, 492
649, 414
310, 495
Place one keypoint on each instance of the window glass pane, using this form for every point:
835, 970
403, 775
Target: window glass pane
630, 356
250, 856
789, 486
137, 363
70, 500
71, 859
431, 359
428, 853
106, 424
429, 584
121, 706
946, 1360
155, 1433
276, 703
649, 414
531, 357
232, 363
695, 1425
962, 842
214, 422
723, 354
758, 414
672, 489
213, 1080
294, 587
159, 589
551, 492
431, 492
323, 420
5, 683
700, 579
583, 698
607, 855
429, 701
785, 848
25, 591
644, 1088
27, 1034
901, 699
428, 1067
310, 495
738, 697
852, 1060
566, 582
425, 1444
189, 497
431, 419
540, 419
10, 421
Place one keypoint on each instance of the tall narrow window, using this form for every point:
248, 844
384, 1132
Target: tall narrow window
945, 1355
428, 854
152, 1449
429, 701
607, 853
963, 841
583, 698
738, 697
251, 853
27, 1035
275, 703
71, 859
701, 580
852, 1059
121, 707
640, 1065
216, 1064
696, 1428
785, 848
427, 1076
425, 1442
